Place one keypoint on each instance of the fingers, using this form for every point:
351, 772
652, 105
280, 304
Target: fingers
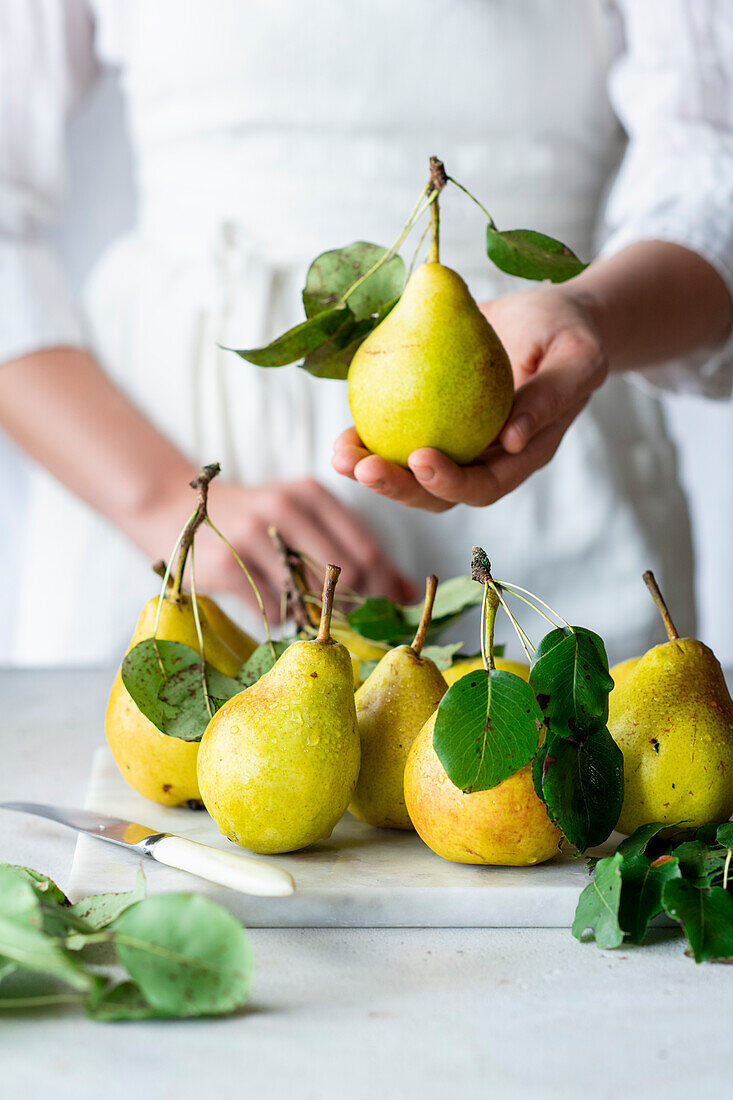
390, 480
572, 369
348, 450
495, 474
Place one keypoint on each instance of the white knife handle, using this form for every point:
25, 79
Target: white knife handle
249, 876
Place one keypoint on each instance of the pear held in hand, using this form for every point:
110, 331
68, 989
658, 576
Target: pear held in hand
432, 374
160, 767
672, 718
278, 762
392, 706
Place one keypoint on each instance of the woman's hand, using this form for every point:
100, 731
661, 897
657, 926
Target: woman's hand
309, 518
558, 360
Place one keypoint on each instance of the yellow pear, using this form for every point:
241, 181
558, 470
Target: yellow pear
432, 374
507, 825
392, 706
672, 718
463, 665
622, 671
160, 767
360, 648
278, 762
239, 641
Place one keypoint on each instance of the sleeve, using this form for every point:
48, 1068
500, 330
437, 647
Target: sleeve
46, 63
671, 87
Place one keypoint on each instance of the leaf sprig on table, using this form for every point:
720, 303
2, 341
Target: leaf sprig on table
183, 954
684, 875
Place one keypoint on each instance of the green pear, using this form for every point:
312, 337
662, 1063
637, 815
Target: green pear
432, 374
159, 767
392, 706
278, 762
672, 718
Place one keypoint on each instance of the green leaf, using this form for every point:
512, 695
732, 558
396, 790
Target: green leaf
125, 1001
42, 884
487, 728
569, 673
641, 894
378, 619
187, 955
699, 863
332, 273
705, 913
583, 786
299, 341
164, 680
23, 940
637, 844
333, 359
99, 910
531, 255
724, 835
261, 661
598, 905
381, 620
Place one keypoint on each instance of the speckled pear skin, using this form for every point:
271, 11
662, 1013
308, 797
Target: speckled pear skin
392, 706
159, 767
505, 826
239, 641
672, 718
432, 374
278, 762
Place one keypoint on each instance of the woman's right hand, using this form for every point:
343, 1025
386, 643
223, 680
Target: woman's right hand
309, 518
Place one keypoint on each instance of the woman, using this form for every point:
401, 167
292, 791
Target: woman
262, 137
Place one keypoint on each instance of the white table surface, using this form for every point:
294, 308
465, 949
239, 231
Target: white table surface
358, 1014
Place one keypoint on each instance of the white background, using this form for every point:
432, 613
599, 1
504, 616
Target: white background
101, 204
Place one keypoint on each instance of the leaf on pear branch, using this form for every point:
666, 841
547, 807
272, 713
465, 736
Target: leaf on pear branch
488, 727
332, 273
569, 673
299, 341
165, 682
261, 661
598, 905
381, 620
531, 255
582, 784
332, 359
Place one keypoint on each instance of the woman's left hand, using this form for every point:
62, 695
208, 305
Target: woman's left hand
558, 360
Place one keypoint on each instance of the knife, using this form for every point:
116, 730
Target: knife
249, 876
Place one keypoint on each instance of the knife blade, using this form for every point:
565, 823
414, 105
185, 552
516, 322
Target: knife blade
238, 872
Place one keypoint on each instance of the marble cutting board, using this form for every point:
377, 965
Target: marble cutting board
359, 878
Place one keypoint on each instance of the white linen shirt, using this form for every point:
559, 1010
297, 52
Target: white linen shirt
256, 132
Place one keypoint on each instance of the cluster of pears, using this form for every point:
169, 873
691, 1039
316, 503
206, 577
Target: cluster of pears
671, 715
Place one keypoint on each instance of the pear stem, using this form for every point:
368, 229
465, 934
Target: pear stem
492, 605
329, 588
201, 483
296, 587
431, 585
651, 583
436, 183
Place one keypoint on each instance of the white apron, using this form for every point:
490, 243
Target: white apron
267, 131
